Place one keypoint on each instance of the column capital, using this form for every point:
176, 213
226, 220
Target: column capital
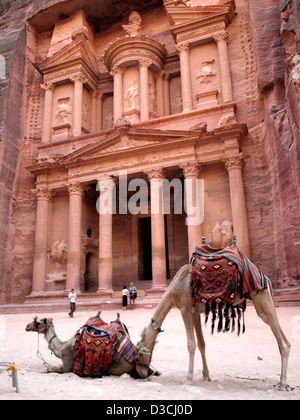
233, 162
75, 188
185, 46
191, 169
78, 77
48, 86
145, 62
106, 182
116, 70
42, 193
155, 174
221, 36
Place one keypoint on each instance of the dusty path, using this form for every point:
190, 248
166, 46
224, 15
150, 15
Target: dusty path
241, 368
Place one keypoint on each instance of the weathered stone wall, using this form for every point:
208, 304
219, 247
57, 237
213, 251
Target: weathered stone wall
264, 43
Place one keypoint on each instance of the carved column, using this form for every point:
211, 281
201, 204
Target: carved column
234, 166
41, 240
159, 272
224, 65
167, 94
160, 94
74, 236
186, 82
48, 111
78, 80
117, 74
144, 89
191, 173
106, 186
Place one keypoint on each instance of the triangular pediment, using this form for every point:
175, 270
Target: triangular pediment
122, 141
79, 50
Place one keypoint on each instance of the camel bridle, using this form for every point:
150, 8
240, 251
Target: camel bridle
144, 351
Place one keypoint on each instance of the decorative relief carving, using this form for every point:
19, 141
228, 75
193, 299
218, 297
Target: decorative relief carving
132, 98
222, 234
207, 72
75, 188
234, 161
155, 174
59, 252
63, 112
42, 193
221, 36
191, 169
134, 27
226, 119
48, 86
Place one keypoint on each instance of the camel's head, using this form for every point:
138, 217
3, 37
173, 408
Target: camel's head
143, 357
39, 325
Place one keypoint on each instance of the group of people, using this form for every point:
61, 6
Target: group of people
132, 293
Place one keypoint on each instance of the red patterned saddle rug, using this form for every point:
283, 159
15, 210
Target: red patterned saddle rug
96, 345
216, 276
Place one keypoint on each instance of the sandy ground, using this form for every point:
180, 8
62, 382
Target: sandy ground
241, 368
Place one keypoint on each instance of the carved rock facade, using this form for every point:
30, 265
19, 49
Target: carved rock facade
169, 90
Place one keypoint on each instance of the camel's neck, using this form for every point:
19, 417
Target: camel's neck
54, 343
162, 310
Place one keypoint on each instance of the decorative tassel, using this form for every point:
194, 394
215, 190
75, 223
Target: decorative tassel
220, 314
207, 310
227, 318
214, 316
233, 315
239, 320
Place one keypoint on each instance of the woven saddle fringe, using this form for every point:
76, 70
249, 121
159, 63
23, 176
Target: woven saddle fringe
227, 314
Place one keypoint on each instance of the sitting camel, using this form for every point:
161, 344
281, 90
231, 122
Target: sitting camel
179, 295
65, 350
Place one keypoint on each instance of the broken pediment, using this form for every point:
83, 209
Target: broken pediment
78, 52
184, 18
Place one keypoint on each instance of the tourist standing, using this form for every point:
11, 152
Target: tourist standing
133, 294
125, 294
72, 299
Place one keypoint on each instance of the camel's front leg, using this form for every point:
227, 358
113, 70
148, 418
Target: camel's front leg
265, 309
201, 344
56, 369
191, 344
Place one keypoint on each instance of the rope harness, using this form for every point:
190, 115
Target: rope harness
144, 351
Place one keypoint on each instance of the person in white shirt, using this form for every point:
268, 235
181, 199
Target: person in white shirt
72, 299
125, 294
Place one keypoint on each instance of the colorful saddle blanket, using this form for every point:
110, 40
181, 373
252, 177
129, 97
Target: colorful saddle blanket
96, 345
216, 276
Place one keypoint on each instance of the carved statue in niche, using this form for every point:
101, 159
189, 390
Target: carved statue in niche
108, 121
134, 27
207, 72
59, 252
132, 98
222, 234
85, 114
64, 111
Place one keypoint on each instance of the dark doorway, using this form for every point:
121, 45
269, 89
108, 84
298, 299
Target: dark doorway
145, 260
91, 273
145, 250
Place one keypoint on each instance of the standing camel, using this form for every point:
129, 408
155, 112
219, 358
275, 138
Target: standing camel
65, 350
179, 295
